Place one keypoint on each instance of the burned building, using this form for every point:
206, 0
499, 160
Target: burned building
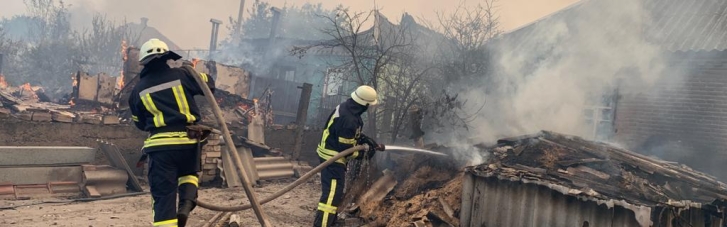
549, 179
655, 70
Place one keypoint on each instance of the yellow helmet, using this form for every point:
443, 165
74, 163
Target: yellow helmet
365, 95
152, 47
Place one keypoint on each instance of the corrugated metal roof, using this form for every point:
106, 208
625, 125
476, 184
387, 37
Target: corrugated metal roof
675, 25
493, 201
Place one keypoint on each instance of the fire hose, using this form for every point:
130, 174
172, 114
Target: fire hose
254, 203
288, 187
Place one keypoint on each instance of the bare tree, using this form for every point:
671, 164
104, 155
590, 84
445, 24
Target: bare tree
100, 47
10, 49
465, 57
367, 52
48, 60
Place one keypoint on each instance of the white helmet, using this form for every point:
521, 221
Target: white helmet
365, 95
152, 47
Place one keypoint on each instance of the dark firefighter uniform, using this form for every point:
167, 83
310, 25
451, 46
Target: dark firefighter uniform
162, 103
342, 131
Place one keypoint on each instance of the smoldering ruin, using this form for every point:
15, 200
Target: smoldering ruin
603, 113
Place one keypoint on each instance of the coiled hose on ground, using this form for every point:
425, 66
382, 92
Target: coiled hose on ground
287, 188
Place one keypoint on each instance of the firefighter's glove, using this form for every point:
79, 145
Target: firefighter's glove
373, 145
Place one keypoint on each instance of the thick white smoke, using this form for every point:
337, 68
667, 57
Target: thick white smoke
547, 76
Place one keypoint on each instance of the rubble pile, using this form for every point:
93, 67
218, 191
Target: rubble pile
427, 190
599, 170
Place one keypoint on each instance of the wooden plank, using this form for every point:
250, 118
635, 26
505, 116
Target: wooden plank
9, 98
19, 108
118, 161
62, 117
4, 112
110, 120
27, 115
42, 116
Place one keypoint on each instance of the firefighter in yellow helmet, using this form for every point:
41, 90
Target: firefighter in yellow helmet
342, 131
162, 103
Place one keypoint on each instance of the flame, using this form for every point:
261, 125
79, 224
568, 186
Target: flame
120, 81
3, 83
124, 56
74, 84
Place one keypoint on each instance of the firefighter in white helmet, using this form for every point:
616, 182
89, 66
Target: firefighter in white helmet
162, 103
342, 131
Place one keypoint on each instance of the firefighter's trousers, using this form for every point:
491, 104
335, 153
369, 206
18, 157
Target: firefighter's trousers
332, 183
171, 171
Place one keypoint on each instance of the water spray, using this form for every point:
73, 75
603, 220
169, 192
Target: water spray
390, 148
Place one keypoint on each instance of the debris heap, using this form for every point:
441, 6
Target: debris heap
590, 183
413, 188
624, 185
600, 170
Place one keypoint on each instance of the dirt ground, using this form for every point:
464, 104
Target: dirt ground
292, 209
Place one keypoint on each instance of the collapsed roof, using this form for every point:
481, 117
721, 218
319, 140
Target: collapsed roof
599, 171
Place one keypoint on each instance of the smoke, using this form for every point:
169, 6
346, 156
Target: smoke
546, 75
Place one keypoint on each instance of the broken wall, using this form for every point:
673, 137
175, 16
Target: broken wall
231, 79
684, 122
99, 88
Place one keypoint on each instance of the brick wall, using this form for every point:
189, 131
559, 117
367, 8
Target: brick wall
681, 120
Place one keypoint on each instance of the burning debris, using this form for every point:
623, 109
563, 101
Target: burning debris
429, 190
408, 191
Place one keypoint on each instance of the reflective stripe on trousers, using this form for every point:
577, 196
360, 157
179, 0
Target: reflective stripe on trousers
167, 223
332, 184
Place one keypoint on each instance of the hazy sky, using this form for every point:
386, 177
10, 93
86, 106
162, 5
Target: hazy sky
187, 22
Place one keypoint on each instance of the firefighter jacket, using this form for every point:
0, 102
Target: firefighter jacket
162, 103
342, 131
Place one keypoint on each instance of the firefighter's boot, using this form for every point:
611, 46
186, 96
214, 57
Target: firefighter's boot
185, 208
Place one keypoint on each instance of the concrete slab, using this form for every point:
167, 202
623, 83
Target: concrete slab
45, 155
40, 175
